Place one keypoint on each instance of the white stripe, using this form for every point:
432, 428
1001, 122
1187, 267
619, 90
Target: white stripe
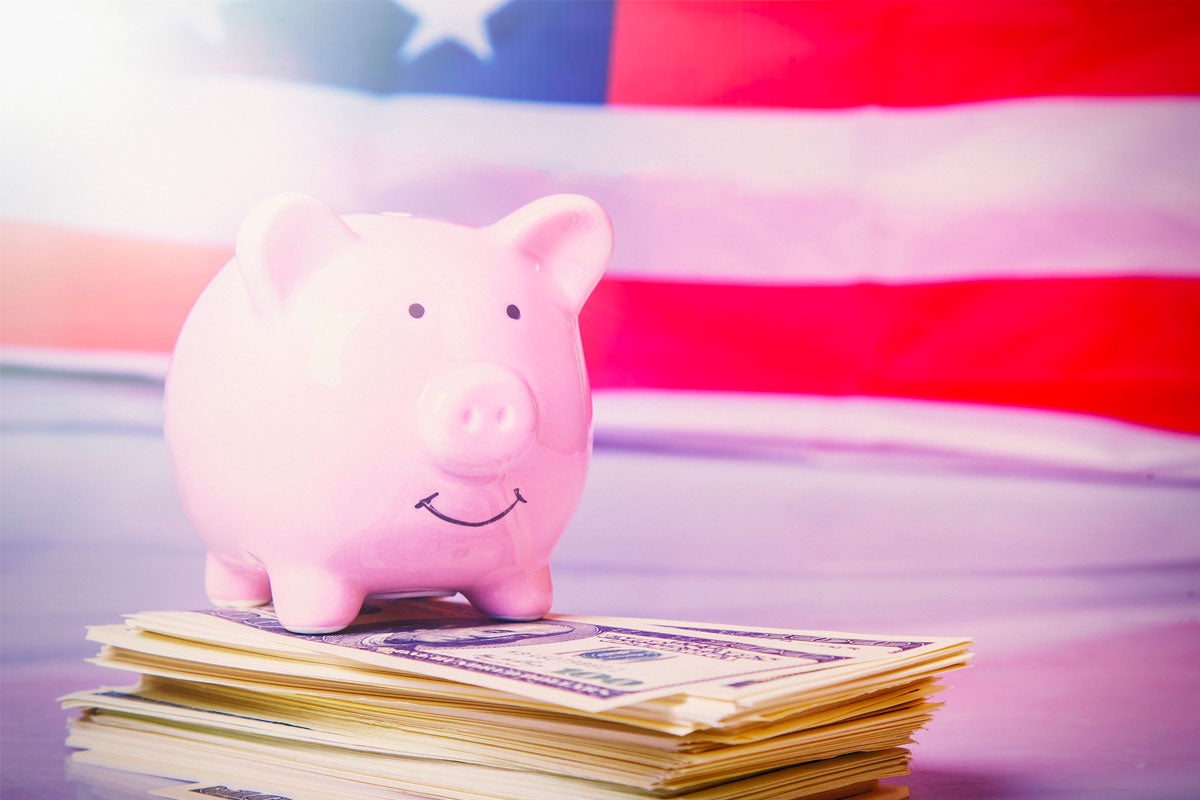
1021, 188
865, 429
831, 430
101, 363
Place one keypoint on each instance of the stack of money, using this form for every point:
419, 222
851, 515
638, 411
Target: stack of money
426, 698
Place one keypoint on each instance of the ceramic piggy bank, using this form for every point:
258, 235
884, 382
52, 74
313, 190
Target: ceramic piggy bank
385, 404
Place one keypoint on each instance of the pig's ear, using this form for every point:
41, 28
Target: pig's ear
283, 240
568, 235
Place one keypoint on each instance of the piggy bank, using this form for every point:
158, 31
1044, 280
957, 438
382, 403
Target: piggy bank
381, 404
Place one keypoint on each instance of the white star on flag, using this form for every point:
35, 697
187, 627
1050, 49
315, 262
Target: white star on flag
463, 22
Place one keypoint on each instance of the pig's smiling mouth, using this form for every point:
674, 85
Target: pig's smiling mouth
427, 504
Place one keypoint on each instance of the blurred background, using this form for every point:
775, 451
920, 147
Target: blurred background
901, 332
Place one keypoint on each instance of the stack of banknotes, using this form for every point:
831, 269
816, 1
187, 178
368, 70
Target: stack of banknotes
426, 698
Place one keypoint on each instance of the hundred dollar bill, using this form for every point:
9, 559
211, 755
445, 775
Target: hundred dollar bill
590, 664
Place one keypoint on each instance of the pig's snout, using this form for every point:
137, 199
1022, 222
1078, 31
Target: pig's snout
477, 419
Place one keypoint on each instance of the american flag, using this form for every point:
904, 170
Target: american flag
951, 226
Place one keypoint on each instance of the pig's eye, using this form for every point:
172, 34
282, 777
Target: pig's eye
416, 311
513, 311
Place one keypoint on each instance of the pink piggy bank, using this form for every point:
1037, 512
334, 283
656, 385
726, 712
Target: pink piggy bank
384, 404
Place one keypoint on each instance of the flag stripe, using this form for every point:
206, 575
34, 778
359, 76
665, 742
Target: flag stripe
914, 53
1120, 347
1032, 189
833, 430
64, 288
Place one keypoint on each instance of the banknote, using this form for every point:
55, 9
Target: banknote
207, 790
651, 763
586, 663
301, 771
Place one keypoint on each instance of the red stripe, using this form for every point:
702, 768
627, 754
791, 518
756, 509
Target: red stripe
71, 289
1124, 347
917, 53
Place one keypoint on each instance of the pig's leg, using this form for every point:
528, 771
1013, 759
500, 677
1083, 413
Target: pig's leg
312, 600
523, 596
231, 584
